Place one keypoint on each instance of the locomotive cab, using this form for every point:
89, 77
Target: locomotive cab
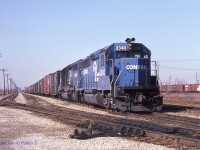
133, 86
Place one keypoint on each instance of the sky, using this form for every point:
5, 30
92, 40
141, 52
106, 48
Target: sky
38, 37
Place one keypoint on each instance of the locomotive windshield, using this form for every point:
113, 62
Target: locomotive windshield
126, 54
121, 54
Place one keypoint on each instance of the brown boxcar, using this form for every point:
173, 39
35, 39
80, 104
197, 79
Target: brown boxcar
42, 86
31, 89
47, 83
178, 88
163, 88
172, 88
192, 88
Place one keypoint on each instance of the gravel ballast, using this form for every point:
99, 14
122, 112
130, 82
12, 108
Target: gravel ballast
20, 129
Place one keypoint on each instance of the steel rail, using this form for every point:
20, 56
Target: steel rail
77, 117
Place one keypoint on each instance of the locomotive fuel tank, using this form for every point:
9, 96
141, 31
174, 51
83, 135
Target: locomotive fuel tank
95, 99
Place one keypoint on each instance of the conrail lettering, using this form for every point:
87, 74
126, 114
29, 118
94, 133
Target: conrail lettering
136, 67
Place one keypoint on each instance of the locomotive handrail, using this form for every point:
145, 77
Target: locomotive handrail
116, 82
112, 75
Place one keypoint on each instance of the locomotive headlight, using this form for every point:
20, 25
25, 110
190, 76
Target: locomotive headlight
126, 62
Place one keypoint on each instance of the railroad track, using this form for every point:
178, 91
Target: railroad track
155, 116
9, 97
179, 120
191, 123
180, 107
158, 132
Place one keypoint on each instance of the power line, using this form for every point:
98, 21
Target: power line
179, 60
174, 68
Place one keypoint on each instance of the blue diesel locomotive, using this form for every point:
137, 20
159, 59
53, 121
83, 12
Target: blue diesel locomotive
118, 76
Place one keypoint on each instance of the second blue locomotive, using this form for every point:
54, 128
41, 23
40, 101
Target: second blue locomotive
118, 76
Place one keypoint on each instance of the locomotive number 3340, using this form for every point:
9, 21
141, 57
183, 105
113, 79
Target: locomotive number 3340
118, 48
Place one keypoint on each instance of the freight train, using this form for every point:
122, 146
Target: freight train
181, 88
118, 76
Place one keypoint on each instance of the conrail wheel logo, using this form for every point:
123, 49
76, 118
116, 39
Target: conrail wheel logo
136, 67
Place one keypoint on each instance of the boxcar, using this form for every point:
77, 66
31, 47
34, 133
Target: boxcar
42, 86
192, 88
177, 88
47, 82
164, 88
55, 82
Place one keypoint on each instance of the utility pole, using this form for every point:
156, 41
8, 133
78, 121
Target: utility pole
4, 92
7, 84
14, 87
170, 78
157, 66
197, 80
10, 85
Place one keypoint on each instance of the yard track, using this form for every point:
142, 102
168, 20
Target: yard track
153, 132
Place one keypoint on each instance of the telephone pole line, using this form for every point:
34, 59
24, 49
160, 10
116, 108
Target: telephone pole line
7, 84
4, 92
10, 85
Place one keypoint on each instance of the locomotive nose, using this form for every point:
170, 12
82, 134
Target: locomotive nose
126, 62
134, 72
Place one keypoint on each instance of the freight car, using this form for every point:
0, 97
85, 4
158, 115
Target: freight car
193, 88
54, 83
118, 76
172, 88
180, 88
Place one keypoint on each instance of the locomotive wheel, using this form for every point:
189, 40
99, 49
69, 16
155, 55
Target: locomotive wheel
75, 96
157, 108
108, 106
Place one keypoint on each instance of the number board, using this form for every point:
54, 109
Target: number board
121, 48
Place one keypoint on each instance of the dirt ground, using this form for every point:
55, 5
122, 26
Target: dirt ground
184, 99
24, 130
188, 98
